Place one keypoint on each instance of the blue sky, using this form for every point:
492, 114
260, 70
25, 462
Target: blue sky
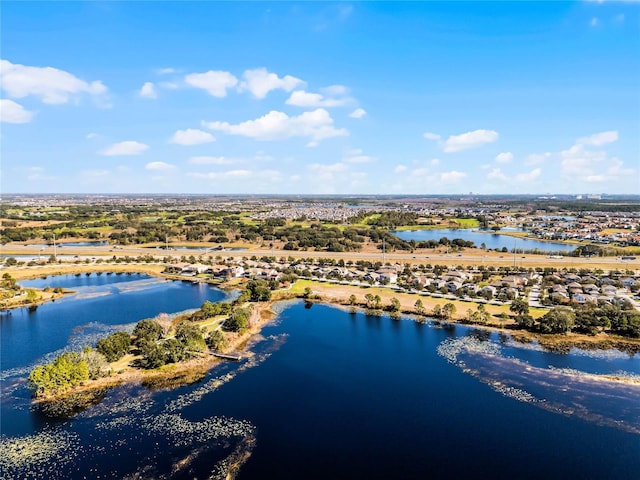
319, 97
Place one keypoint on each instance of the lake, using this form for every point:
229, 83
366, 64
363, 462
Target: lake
325, 394
491, 240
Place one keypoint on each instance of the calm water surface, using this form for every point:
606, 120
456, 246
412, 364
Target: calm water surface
491, 240
325, 394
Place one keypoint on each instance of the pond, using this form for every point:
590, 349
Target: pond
490, 239
324, 394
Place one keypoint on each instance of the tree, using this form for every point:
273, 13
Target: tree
448, 311
153, 355
147, 331
190, 336
519, 306
259, 290
115, 346
96, 363
66, 371
437, 311
217, 341
395, 305
174, 350
32, 296
376, 301
238, 321
419, 306
352, 300
558, 320
307, 292
370, 299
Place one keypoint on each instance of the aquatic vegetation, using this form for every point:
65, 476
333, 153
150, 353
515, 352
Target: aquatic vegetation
565, 391
38, 456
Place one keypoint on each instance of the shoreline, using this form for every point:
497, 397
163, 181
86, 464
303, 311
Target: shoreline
166, 377
338, 295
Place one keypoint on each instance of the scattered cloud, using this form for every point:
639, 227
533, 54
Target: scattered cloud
260, 82
12, 112
332, 96
129, 147
434, 162
159, 166
400, 169
91, 136
166, 71
466, 141
599, 139
537, 158
504, 157
38, 174
211, 160
94, 173
528, 176
191, 136
317, 125
496, 174
432, 136
148, 90
219, 175
452, 176
358, 113
594, 22
51, 85
214, 82
357, 156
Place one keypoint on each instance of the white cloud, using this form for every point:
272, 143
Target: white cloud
91, 136
231, 174
51, 85
129, 147
214, 82
452, 176
169, 85
159, 166
357, 156
38, 174
94, 173
260, 82
12, 112
599, 139
358, 113
465, 141
537, 158
579, 163
148, 90
400, 169
432, 136
504, 157
210, 160
434, 162
332, 96
594, 22
192, 136
317, 125
166, 71
528, 176
496, 174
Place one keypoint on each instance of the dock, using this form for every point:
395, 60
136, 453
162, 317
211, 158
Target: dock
228, 356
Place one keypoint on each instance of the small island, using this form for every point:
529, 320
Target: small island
162, 352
